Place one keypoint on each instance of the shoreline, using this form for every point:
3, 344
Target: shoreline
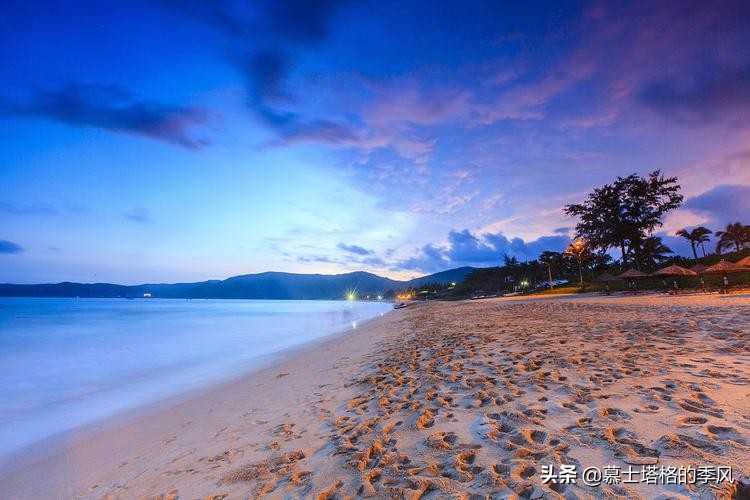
62, 442
445, 398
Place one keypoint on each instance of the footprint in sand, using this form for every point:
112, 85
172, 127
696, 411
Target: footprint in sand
721, 433
441, 440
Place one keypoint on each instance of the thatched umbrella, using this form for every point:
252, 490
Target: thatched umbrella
631, 275
675, 270
605, 278
744, 262
699, 268
724, 268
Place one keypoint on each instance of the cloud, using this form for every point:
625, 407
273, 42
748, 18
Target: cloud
699, 100
270, 34
356, 259
112, 108
429, 259
318, 258
722, 205
466, 248
319, 131
35, 209
9, 247
354, 249
277, 21
140, 215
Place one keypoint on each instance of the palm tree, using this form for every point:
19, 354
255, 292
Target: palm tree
688, 235
654, 252
735, 235
579, 250
549, 259
696, 236
700, 234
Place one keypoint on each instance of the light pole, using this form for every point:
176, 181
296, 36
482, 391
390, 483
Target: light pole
549, 270
577, 249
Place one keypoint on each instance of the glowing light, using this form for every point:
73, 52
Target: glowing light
351, 296
380, 297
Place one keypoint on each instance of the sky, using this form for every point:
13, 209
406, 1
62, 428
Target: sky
169, 141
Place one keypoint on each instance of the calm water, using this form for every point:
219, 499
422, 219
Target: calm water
68, 362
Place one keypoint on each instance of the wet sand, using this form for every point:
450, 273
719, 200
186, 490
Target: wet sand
442, 399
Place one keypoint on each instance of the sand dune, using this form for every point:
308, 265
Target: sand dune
448, 399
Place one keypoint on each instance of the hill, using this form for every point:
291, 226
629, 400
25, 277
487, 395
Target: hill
268, 285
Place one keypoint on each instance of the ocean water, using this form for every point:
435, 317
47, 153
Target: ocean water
68, 362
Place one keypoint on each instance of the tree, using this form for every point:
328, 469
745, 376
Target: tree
698, 235
654, 252
551, 260
735, 235
701, 236
579, 250
600, 218
623, 214
599, 262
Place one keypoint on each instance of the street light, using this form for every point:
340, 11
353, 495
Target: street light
577, 250
549, 270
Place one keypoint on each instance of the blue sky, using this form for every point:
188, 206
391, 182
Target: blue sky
179, 141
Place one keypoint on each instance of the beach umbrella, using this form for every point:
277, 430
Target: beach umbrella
744, 262
699, 268
605, 277
675, 270
632, 274
725, 267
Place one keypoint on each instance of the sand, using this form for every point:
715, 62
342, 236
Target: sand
442, 399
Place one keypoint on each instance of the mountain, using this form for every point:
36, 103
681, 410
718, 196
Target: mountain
444, 277
269, 285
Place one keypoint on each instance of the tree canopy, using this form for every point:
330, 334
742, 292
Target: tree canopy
625, 213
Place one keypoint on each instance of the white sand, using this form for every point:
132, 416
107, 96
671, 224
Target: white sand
441, 399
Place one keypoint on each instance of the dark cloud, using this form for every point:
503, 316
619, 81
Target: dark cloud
562, 230
722, 205
270, 33
265, 71
264, 21
429, 259
35, 209
354, 249
9, 247
140, 215
300, 21
113, 108
697, 100
465, 248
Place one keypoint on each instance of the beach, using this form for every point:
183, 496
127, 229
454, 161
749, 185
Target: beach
442, 399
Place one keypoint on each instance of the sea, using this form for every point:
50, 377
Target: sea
67, 362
